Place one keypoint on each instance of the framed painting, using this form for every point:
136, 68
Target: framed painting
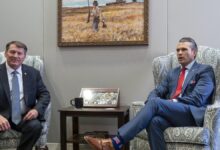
100, 97
102, 22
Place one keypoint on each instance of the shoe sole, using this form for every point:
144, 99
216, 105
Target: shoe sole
90, 144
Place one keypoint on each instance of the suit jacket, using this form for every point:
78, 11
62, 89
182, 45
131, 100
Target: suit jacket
35, 93
197, 90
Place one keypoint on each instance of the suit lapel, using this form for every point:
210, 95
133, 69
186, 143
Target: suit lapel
190, 74
175, 79
4, 80
25, 81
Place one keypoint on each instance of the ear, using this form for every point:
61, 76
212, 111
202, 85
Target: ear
194, 53
5, 53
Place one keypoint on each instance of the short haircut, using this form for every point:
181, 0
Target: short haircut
190, 40
18, 44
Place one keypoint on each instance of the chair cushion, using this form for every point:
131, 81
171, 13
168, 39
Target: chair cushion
143, 135
9, 139
34, 61
194, 135
10, 134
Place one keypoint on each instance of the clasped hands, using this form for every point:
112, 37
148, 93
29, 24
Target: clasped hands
4, 124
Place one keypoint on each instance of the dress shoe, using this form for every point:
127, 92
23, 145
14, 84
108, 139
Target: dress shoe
99, 144
41, 148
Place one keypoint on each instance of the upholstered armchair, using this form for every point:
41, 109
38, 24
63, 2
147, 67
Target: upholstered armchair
11, 138
187, 138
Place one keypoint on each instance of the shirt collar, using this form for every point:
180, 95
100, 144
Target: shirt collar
10, 70
189, 66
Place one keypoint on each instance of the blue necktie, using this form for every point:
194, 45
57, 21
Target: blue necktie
15, 99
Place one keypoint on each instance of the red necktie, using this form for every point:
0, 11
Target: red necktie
180, 83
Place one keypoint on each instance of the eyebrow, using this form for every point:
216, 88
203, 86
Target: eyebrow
181, 49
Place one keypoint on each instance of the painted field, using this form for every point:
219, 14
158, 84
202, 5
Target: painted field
125, 22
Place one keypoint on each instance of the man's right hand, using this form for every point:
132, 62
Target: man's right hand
4, 124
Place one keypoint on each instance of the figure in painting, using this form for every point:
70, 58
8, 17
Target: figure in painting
96, 13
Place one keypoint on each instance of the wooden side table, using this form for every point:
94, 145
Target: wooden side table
121, 113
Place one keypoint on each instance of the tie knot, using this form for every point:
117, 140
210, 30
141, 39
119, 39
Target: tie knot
14, 72
183, 69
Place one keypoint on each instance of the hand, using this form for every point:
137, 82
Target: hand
4, 124
32, 114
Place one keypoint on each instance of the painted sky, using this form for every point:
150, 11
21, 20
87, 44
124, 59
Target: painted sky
82, 3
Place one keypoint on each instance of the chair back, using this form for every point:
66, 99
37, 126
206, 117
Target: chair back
205, 55
34, 61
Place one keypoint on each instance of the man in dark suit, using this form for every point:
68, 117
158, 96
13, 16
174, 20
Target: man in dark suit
184, 93
31, 93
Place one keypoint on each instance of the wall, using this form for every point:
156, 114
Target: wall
128, 67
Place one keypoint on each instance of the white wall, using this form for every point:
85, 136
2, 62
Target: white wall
128, 67
199, 19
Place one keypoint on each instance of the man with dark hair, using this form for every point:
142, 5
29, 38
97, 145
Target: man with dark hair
184, 93
20, 87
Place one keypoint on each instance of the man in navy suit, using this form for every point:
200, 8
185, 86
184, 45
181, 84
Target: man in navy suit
30, 88
184, 93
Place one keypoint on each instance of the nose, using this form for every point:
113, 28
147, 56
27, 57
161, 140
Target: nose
179, 52
15, 54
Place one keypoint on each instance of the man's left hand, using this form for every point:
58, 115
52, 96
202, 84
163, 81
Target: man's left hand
32, 114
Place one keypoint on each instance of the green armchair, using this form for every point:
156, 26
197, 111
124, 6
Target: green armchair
186, 138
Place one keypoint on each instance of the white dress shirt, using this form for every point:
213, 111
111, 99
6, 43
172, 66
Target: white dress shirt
20, 81
188, 67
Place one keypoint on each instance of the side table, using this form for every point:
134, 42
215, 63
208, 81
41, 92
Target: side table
121, 113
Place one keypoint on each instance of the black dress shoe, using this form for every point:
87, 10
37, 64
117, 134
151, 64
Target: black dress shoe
41, 148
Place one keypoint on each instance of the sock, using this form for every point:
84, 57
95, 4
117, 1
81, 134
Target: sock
117, 142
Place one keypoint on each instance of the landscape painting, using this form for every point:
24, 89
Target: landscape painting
102, 22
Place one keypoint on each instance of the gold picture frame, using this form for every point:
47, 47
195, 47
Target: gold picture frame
100, 97
120, 22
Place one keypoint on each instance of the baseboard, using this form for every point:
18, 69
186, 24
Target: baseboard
56, 146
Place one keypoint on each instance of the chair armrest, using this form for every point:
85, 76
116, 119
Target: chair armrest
212, 122
42, 141
136, 107
138, 103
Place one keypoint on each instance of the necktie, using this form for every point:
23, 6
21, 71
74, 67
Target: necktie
180, 83
15, 99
